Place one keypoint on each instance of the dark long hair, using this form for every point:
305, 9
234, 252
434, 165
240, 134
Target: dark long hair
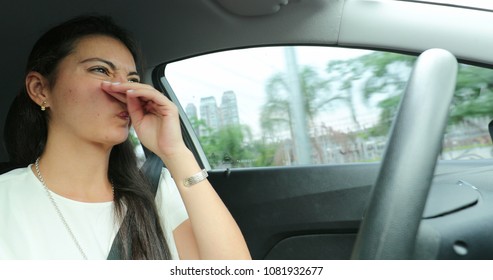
27, 129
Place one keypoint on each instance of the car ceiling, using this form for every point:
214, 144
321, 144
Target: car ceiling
169, 30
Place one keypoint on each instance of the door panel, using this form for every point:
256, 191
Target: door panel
295, 161
313, 212
283, 212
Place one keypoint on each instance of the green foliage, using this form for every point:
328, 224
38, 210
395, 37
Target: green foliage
198, 125
263, 153
379, 77
473, 96
387, 75
383, 75
276, 112
227, 147
133, 139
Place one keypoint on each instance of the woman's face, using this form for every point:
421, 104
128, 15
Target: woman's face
78, 105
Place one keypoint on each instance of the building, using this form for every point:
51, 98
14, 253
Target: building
191, 111
209, 113
213, 116
229, 109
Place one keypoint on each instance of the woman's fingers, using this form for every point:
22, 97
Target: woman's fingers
107, 87
143, 101
149, 100
154, 117
119, 96
134, 107
144, 92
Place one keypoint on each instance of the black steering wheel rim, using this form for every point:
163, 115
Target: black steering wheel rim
398, 198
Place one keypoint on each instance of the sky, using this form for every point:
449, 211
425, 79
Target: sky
246, 73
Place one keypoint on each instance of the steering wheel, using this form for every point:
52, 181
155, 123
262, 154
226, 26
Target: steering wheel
391, 222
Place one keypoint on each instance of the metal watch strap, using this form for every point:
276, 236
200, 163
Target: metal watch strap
199, 177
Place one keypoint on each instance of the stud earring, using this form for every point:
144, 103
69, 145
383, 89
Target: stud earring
43, 107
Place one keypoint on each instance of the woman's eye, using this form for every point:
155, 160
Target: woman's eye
134, 80
101, 70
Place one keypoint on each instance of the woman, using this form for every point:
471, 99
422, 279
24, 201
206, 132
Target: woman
82, 184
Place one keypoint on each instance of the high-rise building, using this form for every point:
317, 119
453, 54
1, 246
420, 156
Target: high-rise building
191, 111
209, 113
213, 116
229, 109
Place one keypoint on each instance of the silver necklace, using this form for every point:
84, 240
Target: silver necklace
62, 218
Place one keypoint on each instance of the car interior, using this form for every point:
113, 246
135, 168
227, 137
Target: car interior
410, 203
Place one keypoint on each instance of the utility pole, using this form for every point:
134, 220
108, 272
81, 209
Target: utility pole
301, 138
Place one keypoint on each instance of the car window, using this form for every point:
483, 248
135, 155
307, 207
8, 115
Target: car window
283, 106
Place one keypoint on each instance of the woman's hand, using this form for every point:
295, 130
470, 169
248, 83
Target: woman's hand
154, 117
211, 232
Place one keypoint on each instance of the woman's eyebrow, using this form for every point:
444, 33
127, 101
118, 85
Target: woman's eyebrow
133, 74
109, 63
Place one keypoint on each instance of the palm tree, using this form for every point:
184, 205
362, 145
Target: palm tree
387, 75
276, 115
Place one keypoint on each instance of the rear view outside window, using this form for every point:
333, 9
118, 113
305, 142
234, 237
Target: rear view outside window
282, 106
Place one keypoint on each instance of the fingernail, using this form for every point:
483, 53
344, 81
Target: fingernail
130, 90
115, 83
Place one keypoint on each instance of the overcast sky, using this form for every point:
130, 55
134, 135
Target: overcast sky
246, 73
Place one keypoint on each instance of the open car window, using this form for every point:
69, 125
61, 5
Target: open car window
284, 106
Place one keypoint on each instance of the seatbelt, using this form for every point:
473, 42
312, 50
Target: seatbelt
152, 169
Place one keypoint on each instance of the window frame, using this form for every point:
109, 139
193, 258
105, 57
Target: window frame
192, 139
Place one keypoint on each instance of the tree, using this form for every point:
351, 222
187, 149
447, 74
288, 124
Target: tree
228, 146
275, 113
343, 74
473, 96
387, 78
199, 125
275, 117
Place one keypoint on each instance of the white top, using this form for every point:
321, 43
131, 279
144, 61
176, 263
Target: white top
30, 228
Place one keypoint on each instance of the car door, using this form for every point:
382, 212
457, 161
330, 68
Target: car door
293, 137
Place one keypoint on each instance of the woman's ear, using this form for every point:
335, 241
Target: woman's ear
37, 87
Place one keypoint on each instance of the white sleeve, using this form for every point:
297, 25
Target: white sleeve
171, 209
